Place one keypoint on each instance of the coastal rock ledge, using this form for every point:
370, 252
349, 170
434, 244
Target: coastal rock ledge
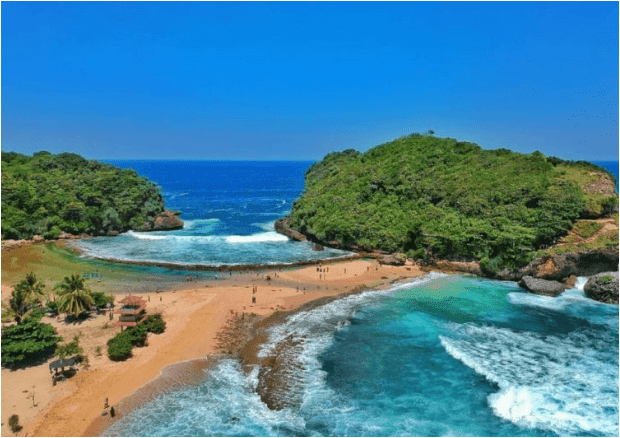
542, 287
164, 221
603, 287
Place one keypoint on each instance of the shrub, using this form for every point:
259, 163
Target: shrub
155, 324
100, 299
119, 347
137, 335
71, 349
28, 341
14, 423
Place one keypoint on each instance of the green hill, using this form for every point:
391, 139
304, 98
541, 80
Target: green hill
429, 196
47, 194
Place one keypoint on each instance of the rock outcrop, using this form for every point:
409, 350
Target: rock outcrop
164, 221
542, 287
583, 263
393, 259
603, 287
282, 227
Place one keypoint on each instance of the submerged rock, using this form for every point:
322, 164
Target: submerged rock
603, 287
542, 287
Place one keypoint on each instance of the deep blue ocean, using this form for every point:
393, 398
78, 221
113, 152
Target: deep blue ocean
440, 356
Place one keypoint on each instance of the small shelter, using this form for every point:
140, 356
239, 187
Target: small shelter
131, 312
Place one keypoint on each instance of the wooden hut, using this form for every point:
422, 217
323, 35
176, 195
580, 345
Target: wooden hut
131, 311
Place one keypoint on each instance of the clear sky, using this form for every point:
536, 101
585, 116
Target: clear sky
299, 80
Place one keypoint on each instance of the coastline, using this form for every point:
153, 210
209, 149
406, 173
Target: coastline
195, 314
249, 338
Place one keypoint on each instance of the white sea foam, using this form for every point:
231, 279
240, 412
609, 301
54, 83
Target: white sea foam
564, 384
145, 236
271, 236
581, 282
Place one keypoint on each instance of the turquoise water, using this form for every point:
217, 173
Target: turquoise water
229, 209
444, 355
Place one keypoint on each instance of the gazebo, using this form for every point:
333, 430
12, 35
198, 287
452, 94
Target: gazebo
131, 312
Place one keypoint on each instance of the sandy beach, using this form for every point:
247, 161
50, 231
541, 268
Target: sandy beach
195, 314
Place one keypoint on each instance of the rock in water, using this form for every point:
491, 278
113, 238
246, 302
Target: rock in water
542, 287
603, 287
164, 221
317, 247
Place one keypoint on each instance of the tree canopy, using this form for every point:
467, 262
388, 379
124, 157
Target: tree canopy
47, 194
441, 197
74, 296
30, 340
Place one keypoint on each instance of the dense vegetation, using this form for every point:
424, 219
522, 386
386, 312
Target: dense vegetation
121, 345
429, 196
47, 194
28, 341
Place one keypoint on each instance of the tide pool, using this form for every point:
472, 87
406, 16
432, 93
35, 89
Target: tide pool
442, 355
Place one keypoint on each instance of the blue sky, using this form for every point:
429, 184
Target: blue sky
299, 80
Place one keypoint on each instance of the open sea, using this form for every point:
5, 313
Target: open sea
439, 356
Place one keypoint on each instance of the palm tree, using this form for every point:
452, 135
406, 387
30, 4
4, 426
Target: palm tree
18, 307
32, 289
74, 296
25, 295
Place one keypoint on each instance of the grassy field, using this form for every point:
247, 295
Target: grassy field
52, 262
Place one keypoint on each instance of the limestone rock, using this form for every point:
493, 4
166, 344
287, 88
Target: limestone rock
542, 287
603, 287
392, 259
583, 263
37, 238
164, 221
282, 227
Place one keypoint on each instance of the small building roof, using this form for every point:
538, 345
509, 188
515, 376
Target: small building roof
133, 300
61, 363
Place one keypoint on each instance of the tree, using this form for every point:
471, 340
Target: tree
26, 294
27, 341
32, 288
74, 295
18, 307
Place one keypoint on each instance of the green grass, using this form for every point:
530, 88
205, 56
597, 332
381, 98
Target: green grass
52, 262
586, 229
605, 279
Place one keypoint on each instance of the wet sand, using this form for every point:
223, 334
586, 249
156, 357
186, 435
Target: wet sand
197, 315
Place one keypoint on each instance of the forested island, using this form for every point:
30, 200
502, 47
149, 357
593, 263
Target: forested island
46, 195
438, 198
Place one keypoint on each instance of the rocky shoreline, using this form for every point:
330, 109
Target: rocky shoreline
550, 274
167, 220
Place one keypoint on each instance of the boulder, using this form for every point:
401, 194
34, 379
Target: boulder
37, 238
603, 287
65, 235
392, 259
318, 247
570, 281
166, 220
541, 287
